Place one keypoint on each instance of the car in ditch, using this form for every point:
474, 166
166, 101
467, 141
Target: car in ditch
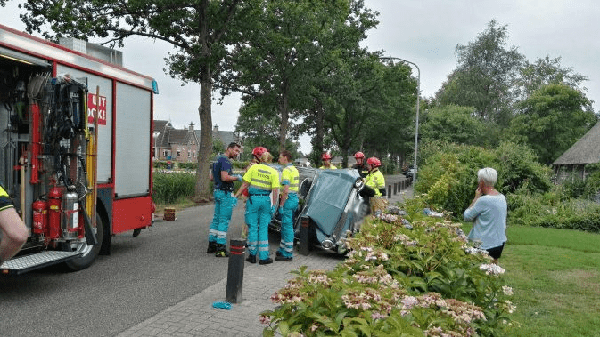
331, 203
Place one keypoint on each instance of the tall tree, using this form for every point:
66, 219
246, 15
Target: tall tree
545, 71
552, 119
454, 124
197, 29
484, 77
284, 56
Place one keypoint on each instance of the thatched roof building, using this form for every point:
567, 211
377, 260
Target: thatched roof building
585, 151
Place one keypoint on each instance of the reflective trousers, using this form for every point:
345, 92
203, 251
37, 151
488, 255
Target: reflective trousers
258, 215
286, 247
223, 208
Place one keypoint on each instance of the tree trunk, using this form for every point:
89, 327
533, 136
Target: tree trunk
202, 187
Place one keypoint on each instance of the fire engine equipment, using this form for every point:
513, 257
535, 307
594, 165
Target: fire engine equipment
40, 217
35, 142
70, 208
54, 214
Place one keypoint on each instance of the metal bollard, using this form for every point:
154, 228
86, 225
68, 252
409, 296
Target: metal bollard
304, 237
235, 270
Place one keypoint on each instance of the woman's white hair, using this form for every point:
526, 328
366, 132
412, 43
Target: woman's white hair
488, 175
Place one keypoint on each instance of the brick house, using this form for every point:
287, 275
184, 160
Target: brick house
172, 144
226, 137
182, 145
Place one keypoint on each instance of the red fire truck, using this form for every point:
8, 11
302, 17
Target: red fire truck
75, 137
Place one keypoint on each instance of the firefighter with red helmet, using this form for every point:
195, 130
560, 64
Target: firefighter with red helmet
262, 181
327, 165
374, 179
360, 165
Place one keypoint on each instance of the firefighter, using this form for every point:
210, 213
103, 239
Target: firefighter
14, 231
374, 179
290, 181
261, 181
326, 157
223, 177
360, 165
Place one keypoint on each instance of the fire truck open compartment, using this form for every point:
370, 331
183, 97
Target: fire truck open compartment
73, 124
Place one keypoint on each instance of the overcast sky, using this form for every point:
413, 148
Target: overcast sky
425, 32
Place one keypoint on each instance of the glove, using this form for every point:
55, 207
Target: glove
238, 176
273, 209
233, 202
221, 305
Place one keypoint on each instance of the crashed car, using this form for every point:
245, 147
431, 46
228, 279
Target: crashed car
332, 203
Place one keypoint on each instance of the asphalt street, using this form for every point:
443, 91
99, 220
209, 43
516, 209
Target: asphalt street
163, 266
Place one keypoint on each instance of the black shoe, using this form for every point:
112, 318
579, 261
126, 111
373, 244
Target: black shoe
251, 258
267, 261
278, 253
221, 251
212, 248
283, 258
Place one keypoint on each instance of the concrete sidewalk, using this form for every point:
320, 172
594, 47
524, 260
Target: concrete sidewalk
195, 316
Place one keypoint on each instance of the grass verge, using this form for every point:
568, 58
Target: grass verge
555, 274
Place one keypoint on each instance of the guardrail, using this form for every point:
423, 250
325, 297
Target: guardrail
397, 187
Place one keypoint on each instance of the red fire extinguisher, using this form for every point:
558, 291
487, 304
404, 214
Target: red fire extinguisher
54, 212
40, 217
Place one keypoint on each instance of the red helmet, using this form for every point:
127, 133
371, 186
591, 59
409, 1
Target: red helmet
359, 155
326, 156
374, 161
259, 151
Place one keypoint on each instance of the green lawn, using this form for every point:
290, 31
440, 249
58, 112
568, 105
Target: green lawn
555, 275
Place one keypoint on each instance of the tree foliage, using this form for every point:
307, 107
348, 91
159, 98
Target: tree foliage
453, 123
198, 30
484, 76
552, 119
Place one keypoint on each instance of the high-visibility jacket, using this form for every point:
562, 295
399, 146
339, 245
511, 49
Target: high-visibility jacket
290, 176
375, 181
262, 179
5, 201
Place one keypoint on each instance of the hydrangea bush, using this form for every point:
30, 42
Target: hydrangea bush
421, 279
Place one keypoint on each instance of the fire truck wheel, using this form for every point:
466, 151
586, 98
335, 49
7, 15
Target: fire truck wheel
89, 252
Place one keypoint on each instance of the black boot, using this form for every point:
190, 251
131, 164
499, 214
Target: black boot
221, 251
267, 261
212, 248
251, 258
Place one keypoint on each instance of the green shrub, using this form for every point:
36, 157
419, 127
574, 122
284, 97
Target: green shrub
449, 174
168, 187
395, 282
188, 166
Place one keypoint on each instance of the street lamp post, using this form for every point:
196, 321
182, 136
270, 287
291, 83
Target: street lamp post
417, 113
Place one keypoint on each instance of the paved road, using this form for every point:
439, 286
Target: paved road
142, 277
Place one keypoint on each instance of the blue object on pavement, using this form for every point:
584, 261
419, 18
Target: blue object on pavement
221, 305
